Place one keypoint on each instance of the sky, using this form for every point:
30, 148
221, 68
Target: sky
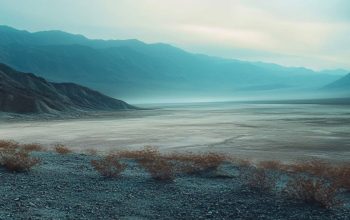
309, 33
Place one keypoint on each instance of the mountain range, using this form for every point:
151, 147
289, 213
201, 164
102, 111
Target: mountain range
133, 69
26, 93
340, 86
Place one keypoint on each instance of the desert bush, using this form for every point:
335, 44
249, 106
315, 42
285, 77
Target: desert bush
153, 162
340, 175
6, 144
159, 168
32, 147
313, 191
197, 163
61, 149
315, 167
259, 179
271, 165
149, 158
241, 162
109, 166
148, 152
15, 159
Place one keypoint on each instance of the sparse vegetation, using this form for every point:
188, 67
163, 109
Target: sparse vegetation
61, 149
197, 163
313, 190
314, 181
16, 158
159, 168
271, 165
315, 167
259, 179
153, 162
109, 166
340, 175
241, 162
33, 147
5, 145
165, 167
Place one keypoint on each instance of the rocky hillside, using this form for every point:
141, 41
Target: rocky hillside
27, 93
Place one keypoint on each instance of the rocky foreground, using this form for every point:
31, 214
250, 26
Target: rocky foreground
66, 186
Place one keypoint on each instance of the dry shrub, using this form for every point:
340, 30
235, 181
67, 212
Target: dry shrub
260, 180
340, 175
16, 159
159, 168
6, 144
61, 149
242, 162
315, 167
163, 167
147, 152
197, 163
33, 147
314, 191
109, 166
153, 162
271, 165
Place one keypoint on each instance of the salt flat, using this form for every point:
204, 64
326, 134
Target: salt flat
266, 131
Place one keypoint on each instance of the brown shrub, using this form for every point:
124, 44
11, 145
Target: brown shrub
17, 160
197, 163
159, 168
315, 167
313, 190
33, 147
242, 162
147, 152
153, 162
340, 175
259, 179
61, 149
6, 144
109, 166
164, 167
271, 165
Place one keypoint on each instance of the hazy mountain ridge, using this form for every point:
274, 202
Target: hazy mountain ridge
342, 83
340, 87
131, 68
27, 93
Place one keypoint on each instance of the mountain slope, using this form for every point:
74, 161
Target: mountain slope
341, 84
27, 93
130, 68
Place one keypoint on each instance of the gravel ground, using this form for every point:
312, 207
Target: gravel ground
66, 187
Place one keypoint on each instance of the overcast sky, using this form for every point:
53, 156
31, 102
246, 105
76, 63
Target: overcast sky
311, 33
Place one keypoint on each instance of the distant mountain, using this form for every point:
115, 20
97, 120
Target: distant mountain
341, 85
27, 93
131, 68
